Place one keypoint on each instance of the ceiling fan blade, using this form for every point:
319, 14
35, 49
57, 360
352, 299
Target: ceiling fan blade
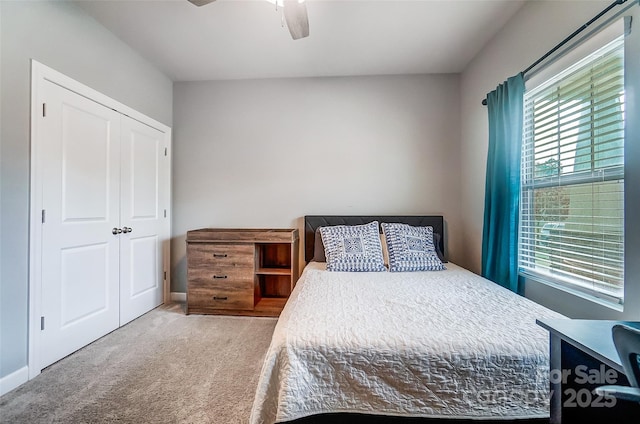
295, 14
200, 2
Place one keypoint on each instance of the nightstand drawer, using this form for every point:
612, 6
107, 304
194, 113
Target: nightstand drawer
221, 295
215, 256
222, 275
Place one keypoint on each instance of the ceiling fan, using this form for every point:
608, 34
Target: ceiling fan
295, 15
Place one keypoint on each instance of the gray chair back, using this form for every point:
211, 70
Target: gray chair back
627, 342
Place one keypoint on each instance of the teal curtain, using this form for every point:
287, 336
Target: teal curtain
502, 191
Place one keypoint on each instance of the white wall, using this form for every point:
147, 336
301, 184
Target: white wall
61, 36
264, 153
535, 28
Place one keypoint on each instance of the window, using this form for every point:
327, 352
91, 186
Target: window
572, 194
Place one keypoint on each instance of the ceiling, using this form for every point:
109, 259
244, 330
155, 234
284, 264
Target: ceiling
237, 39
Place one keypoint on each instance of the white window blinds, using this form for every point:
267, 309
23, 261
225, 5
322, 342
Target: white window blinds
572, 198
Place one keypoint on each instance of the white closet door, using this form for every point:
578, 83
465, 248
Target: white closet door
81, 192
145, 228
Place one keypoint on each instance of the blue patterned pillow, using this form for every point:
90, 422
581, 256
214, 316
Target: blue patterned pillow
411, 248
353, 248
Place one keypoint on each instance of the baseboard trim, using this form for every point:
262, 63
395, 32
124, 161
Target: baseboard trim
178, 297
13, 380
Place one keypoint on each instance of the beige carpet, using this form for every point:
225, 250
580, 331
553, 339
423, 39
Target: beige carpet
164, 367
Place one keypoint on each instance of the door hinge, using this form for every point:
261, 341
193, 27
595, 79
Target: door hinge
44, 109
41, 323
43, 216
165, 213
165, 151
165, 276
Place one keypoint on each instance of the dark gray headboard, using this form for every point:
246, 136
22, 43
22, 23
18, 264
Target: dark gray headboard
311, 222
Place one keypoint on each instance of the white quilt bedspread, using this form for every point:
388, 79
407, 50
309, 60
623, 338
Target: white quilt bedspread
431, 344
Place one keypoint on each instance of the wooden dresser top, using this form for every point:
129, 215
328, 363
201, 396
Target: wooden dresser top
242, 235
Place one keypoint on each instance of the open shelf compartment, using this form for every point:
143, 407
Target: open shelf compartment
273, 270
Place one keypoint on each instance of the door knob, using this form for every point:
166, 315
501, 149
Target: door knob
127, 230
116, 231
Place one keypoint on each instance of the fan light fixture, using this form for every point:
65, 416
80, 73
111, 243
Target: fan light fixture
294, 13
281, 2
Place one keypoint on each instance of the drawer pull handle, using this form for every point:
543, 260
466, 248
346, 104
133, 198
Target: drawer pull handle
220, 298
216, 255
219, 277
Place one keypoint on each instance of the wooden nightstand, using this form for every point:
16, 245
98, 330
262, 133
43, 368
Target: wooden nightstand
240, 271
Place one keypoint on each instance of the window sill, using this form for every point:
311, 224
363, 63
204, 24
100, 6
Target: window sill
604, 308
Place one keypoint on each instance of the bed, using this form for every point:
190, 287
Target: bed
428, 345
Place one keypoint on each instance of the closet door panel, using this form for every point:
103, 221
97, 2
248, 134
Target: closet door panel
143, 202
81, 191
